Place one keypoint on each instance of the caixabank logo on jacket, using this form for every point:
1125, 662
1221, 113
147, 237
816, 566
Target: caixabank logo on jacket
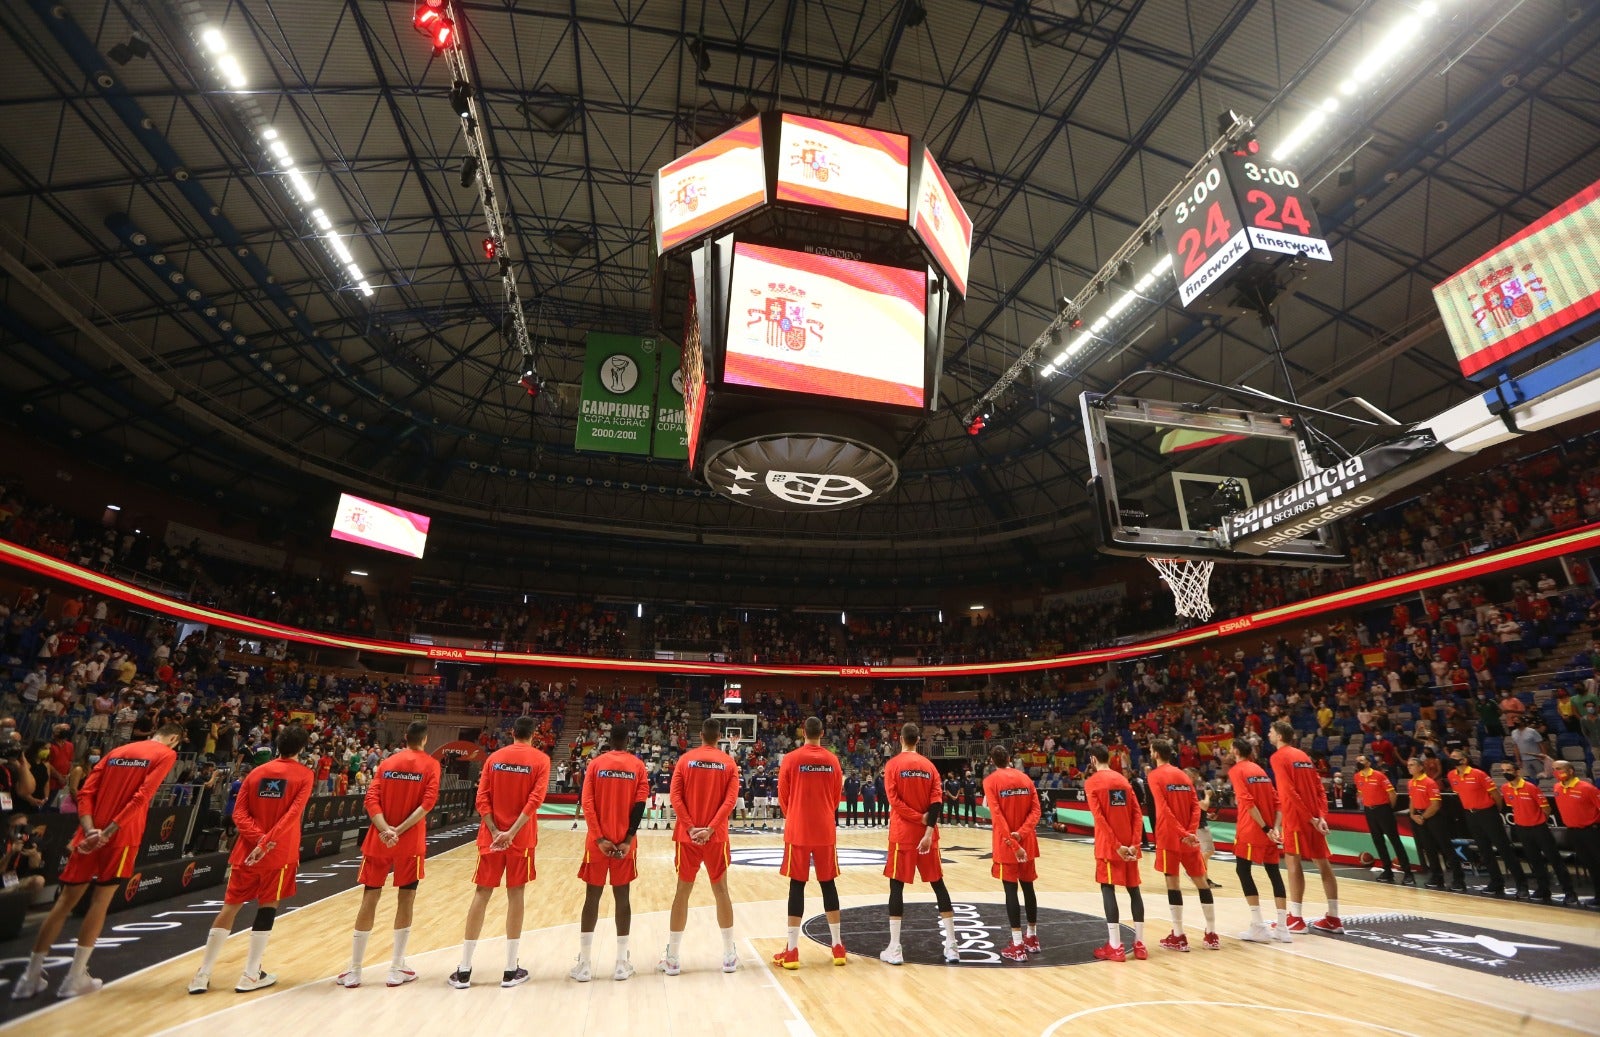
1543, 962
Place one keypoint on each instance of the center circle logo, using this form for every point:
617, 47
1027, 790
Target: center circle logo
982, 931
772, 857
618, 374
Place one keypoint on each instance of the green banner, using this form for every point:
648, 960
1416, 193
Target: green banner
616, 412
672, 441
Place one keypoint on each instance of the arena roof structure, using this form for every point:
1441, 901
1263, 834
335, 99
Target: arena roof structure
240, 261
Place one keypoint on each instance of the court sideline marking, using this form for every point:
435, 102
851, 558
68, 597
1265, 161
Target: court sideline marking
1050, 1030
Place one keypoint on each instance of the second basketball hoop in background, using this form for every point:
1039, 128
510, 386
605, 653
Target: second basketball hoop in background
1190, 582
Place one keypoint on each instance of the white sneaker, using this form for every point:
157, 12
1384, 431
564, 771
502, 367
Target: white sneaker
730, 961
26, 988
580, 971
624, 970
399, 977
891, 955
1259, 932
260, 981
952, 954
668, 964
349, 978
77, 986
201, 982
1281, 934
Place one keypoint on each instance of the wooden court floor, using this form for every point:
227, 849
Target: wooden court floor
1319, 984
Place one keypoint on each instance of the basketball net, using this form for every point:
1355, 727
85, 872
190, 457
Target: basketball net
733, 744
1190, 582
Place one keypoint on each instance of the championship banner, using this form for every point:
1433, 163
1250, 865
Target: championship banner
671, 441
1211, 745
616, 410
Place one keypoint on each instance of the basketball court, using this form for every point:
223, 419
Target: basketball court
1413, 961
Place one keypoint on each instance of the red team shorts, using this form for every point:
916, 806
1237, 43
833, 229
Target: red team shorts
1117, 873
374, 870
599, 870
690, 856
906, 865
1257, 849
1169, 859
1305, 841
798, 861
106, 866
514, 866
267, 885
1011, 871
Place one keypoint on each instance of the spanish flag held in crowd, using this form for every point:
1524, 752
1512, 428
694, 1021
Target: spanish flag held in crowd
1211, 745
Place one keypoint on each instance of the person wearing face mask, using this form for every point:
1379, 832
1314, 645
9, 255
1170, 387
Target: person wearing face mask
80, 770
1378, 797
1530, 814
1589, 725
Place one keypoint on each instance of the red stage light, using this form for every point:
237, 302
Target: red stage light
491, 248
432, 23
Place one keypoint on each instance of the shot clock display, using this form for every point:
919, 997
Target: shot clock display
1238, 205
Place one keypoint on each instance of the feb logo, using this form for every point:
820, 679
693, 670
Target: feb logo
132, 889
817, 491
814, 161
168, 824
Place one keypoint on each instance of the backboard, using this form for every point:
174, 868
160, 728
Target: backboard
1163, 475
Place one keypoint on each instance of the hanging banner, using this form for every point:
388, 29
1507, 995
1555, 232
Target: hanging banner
671, 439
615, 412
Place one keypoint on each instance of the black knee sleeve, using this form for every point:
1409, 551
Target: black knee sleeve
1275, 877
1136, 902
1108, 897
897, 898
941, 894
265, 916
1030, 903
1175, 896
830, 895
1247, 878
797, 898
1013, 909
1205, 895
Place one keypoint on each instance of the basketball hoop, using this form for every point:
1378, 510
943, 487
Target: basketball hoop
1190, 582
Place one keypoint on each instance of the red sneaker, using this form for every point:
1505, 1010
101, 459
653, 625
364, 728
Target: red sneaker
1016, 952
787, 959
1175, 942
1328, 924
1031, 945
1139, 951
1212, 942
1295, 924
838, 954
1108, 952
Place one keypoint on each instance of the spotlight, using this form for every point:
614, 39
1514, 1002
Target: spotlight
978, 424
138, 46
1076, 323
491, 248
1148, 238
469, 171
1124, 274
530, 382
432, 23
460, 95
120, 53
916, 14
1225, 121
702, 57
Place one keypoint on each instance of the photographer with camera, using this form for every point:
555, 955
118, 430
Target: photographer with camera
17, 785
21, 864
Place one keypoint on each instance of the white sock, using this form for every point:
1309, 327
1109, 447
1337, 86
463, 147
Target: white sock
833, 930
80, 962
1031, 929
214, 940
1333, 906
585, 941
1177, 917
1283, 919
35, 967
1114, 934
1255, 915
673, 942
949, 927
1294, 910
622, 948
512, 947
794, 937
1138, 932
258, 947
1016, 937
728, 949
468, 947
1210, 911
894, 932
358, 949
400, 938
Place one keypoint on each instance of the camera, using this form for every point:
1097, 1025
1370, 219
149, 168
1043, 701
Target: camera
10, 751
